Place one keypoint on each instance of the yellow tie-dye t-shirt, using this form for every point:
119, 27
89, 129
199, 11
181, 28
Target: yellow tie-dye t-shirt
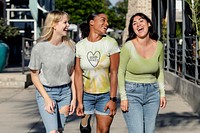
95, 63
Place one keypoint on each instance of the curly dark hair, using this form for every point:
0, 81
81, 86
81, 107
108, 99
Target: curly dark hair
85, 27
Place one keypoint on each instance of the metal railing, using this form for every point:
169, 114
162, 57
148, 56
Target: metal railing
182, 57
27, 45
21, 17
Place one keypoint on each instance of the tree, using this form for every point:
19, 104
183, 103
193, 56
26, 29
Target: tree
80, 9
195, 8
118, 14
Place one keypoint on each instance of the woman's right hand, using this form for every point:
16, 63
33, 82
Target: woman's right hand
124, 105
79, 110
49, 105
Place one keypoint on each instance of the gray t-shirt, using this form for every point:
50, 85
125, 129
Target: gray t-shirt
55, 63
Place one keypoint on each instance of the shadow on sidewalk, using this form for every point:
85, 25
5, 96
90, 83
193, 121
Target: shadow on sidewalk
37, 127
72, 117
178, 120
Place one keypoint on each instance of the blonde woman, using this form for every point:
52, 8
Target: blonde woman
52, 63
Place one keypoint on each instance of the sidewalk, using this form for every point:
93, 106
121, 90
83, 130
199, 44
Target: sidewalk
19, 114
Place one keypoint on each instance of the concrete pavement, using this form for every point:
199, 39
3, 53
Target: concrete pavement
19, 114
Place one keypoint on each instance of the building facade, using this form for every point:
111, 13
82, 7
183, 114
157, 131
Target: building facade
2, 8
134, 6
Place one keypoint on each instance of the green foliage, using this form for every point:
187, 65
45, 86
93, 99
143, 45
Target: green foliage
164, 30
118, 14
195, 8
178, 29
80, 9
7, 31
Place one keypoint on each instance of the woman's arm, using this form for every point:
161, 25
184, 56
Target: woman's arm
73, 102
78, 78
49, 104
114, 63
163, 101
124, 59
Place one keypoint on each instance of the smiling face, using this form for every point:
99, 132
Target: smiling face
100, 24
140, 26
61, 27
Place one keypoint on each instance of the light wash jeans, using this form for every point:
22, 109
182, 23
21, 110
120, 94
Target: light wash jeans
61, 95
144, 102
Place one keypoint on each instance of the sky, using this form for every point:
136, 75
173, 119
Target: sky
113, 2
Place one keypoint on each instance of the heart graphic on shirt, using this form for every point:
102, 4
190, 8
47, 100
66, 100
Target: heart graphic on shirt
93, 58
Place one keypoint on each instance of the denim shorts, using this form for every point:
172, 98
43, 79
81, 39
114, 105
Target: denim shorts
61, 95
95, 103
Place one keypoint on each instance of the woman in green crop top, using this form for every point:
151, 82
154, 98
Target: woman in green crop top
140, 76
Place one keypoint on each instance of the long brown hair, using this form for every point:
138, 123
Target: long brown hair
131, 34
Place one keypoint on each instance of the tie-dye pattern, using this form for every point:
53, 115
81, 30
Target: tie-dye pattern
96, 69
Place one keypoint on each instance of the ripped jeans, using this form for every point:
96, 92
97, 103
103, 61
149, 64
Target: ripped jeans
61, 95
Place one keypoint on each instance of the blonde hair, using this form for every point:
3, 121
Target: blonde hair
52, 18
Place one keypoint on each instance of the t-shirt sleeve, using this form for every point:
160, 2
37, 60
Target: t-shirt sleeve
35, 61
114, 47
124, 58
78, 50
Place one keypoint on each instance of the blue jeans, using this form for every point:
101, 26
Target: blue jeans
144, 102
61, 95
95, 103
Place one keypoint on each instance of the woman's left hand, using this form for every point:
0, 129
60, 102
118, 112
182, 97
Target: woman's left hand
112, 107
72, 107
163, 102
124, 105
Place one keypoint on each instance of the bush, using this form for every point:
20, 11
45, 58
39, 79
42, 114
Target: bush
7, 31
